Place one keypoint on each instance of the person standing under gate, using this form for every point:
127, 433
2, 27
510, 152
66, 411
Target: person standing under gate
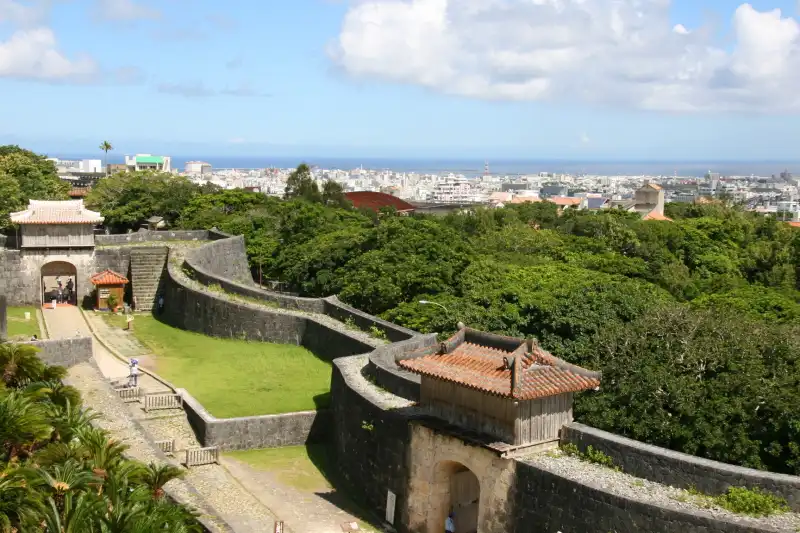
450, 524
70, 286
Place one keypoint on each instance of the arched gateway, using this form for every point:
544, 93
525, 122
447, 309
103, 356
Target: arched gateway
455, 490
65, 274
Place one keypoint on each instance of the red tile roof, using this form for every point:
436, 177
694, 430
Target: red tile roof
526, 377
565, 201
108, 277
794, 224
56, 212
377, 200
653, 215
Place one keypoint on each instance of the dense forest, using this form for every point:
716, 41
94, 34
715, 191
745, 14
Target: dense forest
694, 322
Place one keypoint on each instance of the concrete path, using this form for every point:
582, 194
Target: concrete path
65, 322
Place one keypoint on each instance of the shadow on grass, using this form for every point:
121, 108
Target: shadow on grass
323, 456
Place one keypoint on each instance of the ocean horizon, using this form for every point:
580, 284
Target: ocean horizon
475, 167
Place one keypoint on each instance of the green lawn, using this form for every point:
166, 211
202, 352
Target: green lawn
19, 327
233, 377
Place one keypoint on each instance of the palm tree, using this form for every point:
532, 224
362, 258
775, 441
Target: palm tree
106, 146
23, 423
19, 506
155, 476
19, 364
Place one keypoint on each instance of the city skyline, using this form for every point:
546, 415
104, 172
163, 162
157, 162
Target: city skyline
384, 78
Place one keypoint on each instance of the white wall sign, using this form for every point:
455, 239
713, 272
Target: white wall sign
391, 501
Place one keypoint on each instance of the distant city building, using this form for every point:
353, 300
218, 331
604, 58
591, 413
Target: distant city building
139, 162
553, 190
198, 167
650, 202
453, 191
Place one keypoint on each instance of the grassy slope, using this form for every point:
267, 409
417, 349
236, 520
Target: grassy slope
232, 377
17, 325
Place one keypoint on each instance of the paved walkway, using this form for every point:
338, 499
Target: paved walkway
65, 322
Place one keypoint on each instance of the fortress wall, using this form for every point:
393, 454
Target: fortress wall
20, 286
224, 258
64, 352
679, 469
151, 236
546, 502
265, 431
371, 446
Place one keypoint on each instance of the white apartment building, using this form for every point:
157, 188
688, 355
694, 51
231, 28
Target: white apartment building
71, 165
138, 162
197, 167
452, 190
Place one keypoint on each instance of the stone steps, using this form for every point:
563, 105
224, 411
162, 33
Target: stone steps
147, 268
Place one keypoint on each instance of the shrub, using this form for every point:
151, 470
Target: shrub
753, 502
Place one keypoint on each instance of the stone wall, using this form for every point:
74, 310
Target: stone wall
266, 431
225, 258
371, 445
64, 352
383, 370
151, 236
547, 502
679, 469
3, 317
207, 312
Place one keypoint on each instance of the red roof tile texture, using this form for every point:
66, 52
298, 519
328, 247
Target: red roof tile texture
533, 375
108, 277
377, 200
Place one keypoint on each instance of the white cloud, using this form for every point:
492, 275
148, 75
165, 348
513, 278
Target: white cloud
22, 14
622, 52
34, 54
125, 10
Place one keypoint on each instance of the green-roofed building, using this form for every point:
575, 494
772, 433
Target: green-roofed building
148, 162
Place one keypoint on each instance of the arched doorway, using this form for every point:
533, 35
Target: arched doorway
67, 274
455, 490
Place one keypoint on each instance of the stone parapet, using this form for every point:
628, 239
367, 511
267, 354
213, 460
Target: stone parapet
679, 469
265, 431
64, 352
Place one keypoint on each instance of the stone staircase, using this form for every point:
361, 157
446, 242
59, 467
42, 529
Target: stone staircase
147, 268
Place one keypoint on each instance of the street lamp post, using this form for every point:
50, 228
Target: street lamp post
459, 325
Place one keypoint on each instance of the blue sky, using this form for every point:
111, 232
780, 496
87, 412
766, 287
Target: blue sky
387, 78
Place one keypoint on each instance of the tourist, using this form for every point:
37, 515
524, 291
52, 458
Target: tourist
34, 338
450, 524
160, 304
133, 379
70, 286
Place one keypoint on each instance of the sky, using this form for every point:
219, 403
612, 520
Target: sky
546, 79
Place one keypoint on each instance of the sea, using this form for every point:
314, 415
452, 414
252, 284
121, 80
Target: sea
501, 167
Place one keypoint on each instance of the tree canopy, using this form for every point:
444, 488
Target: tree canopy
25, 175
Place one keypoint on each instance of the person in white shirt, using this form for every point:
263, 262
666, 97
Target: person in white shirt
450, 524
133, 379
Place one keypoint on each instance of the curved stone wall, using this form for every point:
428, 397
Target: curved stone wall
679, 469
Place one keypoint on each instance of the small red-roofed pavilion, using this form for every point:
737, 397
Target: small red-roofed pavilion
109, 283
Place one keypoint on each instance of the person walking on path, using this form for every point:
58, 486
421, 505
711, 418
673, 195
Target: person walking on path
133, 379
450, 524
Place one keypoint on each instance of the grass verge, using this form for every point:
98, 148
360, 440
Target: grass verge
20, 328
